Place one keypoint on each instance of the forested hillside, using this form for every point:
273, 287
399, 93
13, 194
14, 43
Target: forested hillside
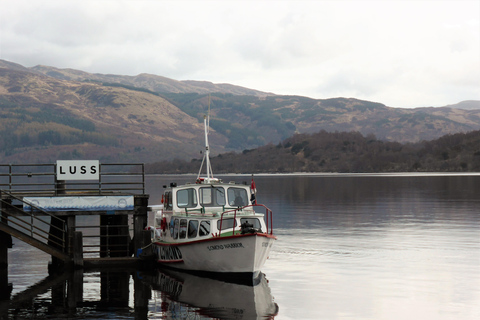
343, 152
43, 119
48, 113
252, 121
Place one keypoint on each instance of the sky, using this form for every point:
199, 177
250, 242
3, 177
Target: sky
410, 53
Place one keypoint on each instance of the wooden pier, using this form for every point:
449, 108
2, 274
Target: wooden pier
42, 210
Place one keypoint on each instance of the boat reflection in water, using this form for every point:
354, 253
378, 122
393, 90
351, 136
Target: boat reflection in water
130, 293
178, 293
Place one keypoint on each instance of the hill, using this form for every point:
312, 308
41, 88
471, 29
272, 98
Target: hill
49, 113
274, 118
150, 82
43, 119
346, 152
466, 105
271, 118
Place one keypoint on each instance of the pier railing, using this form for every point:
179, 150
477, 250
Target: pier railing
42, 179
111, 240
46, 231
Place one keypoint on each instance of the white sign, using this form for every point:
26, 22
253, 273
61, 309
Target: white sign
99, 203
78, 170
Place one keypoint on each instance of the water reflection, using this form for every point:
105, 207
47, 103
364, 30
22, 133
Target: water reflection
128, 295
338, 201
69, 295
185, 295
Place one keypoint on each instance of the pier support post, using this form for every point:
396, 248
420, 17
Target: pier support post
77, 249
60, 187
147, 250
142, 294
55, 232
75, 288
70, 234
5, 286
5, 244
139, 220
56, 227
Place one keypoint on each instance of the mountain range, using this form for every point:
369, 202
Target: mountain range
47, 113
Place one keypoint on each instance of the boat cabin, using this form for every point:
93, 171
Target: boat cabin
206, 196
207, 208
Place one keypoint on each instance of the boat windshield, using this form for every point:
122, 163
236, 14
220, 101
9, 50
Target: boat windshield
212, 196
237, 197
187, 198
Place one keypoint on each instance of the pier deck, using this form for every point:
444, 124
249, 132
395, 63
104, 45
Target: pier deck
41, 210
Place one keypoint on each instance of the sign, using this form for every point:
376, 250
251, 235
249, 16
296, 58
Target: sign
78, 169
88, 203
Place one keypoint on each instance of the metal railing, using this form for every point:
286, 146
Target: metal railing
42, 179
268, 218
31, 224
105, 244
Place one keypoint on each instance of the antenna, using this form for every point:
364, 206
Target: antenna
208, 113
206, 155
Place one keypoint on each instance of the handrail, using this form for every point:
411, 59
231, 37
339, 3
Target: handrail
107, 248
234, 219
268, 217
31, 229
110, 179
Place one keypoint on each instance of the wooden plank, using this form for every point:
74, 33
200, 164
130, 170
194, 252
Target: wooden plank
117, 262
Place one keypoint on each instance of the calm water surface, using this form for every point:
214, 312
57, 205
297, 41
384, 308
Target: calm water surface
349, 247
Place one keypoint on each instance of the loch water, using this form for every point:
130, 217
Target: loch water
350, 246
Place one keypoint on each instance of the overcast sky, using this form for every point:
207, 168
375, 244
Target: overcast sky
400, 53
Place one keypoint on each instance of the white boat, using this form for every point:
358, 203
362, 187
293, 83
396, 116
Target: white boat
209, 226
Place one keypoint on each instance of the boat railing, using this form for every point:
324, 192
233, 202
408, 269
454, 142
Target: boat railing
268, 217
200, 211
214, 211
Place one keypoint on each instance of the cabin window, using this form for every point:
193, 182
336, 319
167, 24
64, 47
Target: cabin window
192, 228
204, 228
237, 197
227, 224
253, 221
175, 229
183, 228
212, 196
168, 200
187, 198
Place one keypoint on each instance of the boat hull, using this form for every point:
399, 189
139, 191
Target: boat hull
236, 255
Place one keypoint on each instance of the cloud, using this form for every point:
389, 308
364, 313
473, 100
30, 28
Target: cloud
401, 53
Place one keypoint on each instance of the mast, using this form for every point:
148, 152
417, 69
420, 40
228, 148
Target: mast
206, 155
207, 148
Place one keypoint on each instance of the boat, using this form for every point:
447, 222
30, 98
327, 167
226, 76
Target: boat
210, 226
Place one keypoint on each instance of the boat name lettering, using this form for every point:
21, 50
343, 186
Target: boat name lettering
169, 253
225, 246
266, 245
